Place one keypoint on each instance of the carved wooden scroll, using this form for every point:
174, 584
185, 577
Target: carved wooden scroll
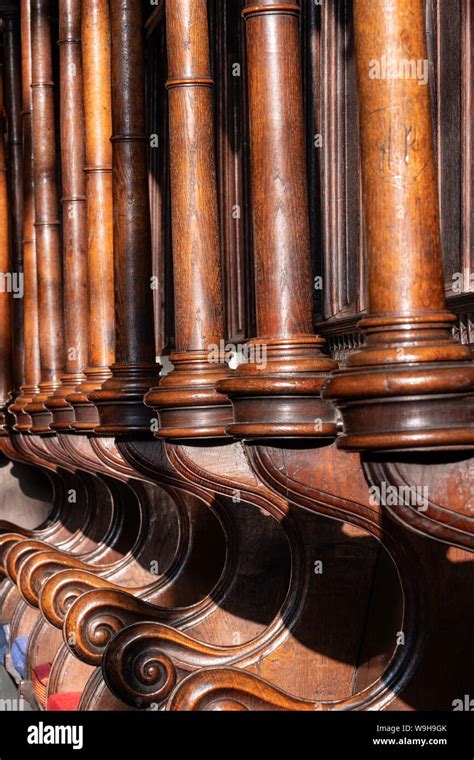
238, 558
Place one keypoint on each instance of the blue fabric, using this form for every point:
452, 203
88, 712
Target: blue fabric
3, 643
18, 653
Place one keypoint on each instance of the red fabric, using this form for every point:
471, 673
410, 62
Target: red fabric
40, 681
42, 671
67, 700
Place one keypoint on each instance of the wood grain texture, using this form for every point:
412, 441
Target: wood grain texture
96, 52
6, 374
120, 400
186, 400
74, 231
47, 224
290, 377
31, 322
13, 86
403, 389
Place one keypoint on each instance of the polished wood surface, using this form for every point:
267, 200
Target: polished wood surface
234, 515
188, 392
12, 43
95, 36
408, 351
74, 231
31, 321
47, 223
285, 359
6, 376
134, 369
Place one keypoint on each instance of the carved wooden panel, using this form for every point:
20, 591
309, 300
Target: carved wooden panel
295, 533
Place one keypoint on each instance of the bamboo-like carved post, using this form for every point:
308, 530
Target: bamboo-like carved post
276, 393
120, 400
6, 375
12, 43
47, 225
74, 212
187, 402
30, 388
411, 384
98, 171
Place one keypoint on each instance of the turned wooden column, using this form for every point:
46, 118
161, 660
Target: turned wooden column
6, 373
120, 400
72, 130
31, 323
410, 385
98, 174
47, 225
186, 399
12, 76
276, 393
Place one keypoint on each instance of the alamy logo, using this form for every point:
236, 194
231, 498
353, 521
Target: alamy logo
393, 496
45, 734
12, 282
399, 68
466, 704
233, 355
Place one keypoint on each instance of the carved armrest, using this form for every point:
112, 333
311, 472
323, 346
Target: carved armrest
60, 591
94, 618
139, 662
7, 541
33, 572
18, 551
9, 527
233, 689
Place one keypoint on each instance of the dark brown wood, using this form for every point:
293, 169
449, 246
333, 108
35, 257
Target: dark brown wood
158, 175
47, 224
95, 35
238, 616
31, 322
6, 374
410, 384
155, 17
276, 392
120, 401
233, 172
74, 212
12, 75
186, 399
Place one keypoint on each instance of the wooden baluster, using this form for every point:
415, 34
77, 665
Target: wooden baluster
186, 399
12, 75
47, 225
98, 170
277, 391
74, 212
6, 374
31, 322
410, 385
120, 401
